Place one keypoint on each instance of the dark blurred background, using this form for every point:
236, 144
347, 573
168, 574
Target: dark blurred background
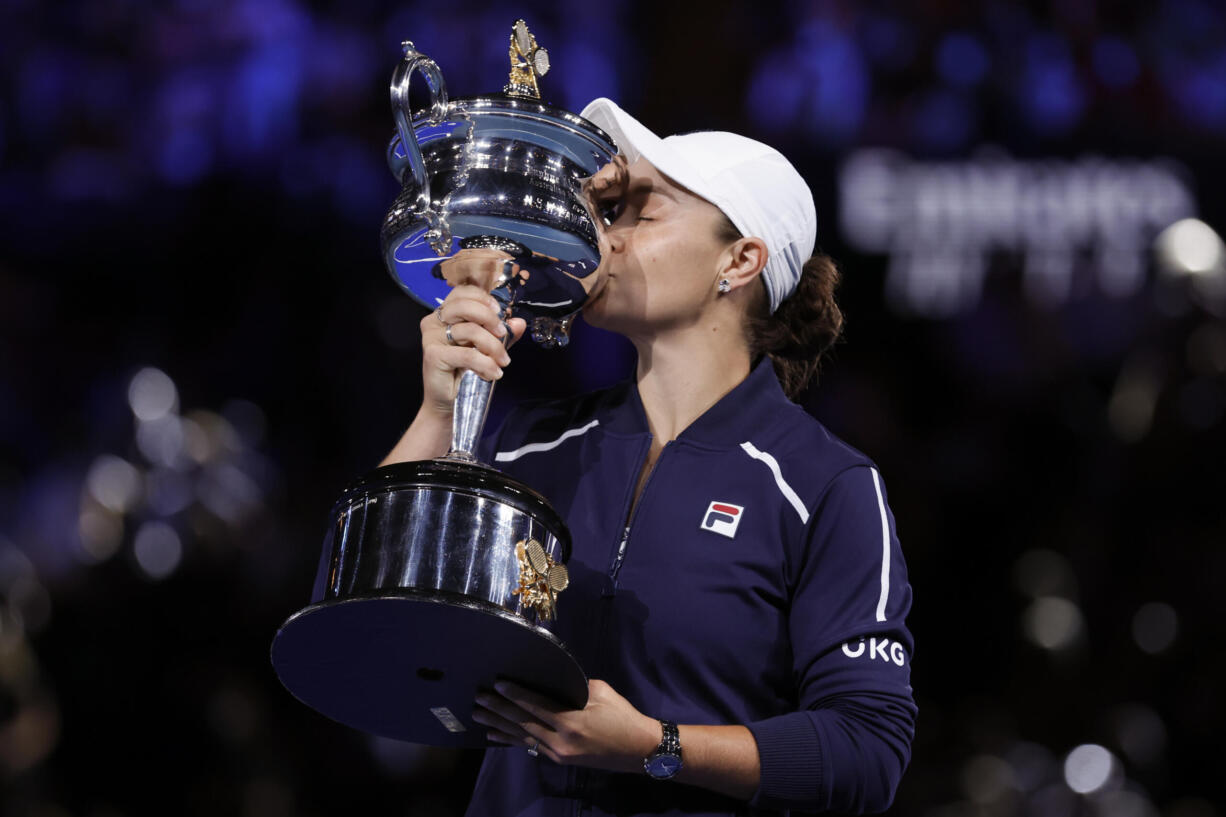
199, 347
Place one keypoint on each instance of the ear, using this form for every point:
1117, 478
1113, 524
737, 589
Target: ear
743, 261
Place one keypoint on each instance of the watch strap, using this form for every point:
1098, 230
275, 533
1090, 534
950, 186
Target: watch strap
665, 761
671, 742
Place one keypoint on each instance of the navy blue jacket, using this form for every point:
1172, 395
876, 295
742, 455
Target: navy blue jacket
758, 582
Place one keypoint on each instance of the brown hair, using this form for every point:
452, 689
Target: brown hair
798, 335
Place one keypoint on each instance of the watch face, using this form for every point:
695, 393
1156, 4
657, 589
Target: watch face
663, 767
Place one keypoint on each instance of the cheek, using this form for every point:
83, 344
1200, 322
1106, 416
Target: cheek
676, 266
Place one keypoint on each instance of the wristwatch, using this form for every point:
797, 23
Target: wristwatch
665, 761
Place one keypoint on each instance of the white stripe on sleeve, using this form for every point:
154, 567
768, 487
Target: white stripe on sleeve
885, 548
771, 463
533, 448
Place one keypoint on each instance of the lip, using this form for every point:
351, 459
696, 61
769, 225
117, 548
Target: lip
601, 287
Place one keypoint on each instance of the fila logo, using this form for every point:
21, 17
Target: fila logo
723, 518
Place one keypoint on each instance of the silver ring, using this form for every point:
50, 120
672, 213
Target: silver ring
533, 750
447, 332
438, 313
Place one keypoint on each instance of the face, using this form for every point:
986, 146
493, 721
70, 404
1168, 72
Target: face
661, 259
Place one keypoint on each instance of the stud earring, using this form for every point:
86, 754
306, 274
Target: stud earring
725, 286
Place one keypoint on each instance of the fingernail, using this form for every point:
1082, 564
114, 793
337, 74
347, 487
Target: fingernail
498, 375
502, 686
483, 699
502, 330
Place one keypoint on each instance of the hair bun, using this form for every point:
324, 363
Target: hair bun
803, 328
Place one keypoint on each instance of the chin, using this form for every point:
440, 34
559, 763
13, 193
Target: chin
594, 311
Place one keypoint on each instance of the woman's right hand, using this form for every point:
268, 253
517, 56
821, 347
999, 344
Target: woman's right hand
478, 337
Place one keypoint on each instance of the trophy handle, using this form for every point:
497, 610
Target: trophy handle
415, 60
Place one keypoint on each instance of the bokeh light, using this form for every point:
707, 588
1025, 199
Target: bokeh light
1155, 627
157, 548
1130, 411
101, 531
1191, 247
114, 483
1053, 623
1089, 768
152, 395
1140, 733
161, 440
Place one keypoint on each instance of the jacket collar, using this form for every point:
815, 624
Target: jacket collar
733, 419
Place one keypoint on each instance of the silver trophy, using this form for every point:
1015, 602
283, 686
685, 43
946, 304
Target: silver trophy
437, 577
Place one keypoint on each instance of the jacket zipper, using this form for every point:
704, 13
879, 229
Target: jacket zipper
583, 776
620, 556
618, 559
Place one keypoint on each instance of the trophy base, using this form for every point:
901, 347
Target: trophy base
408, 665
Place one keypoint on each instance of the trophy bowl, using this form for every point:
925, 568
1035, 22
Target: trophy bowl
505, 173
439, 577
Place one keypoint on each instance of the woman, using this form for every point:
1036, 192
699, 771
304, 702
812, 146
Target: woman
737, 591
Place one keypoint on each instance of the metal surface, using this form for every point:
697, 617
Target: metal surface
472, 404
436, 525
414, 164
419, 603
495, 166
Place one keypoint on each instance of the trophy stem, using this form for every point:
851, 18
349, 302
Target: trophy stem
472, 404
472, 399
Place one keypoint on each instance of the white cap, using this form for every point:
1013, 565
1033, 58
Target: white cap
752, 183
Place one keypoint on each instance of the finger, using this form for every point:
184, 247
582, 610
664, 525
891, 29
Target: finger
517, 327
507, 710
449, 359
538, 706
608, 177
496, 723
467, 333
482, 310
618, 172
615, 171
470, 334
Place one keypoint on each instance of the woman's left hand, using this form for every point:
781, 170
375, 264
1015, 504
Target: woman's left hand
608, 733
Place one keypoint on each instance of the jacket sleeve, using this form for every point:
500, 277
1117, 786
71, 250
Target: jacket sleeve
848, 743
